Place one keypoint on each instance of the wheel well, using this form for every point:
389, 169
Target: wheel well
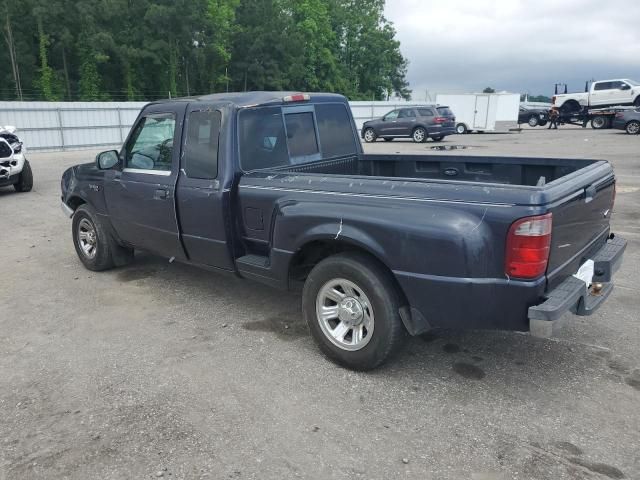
75, 202
314, 252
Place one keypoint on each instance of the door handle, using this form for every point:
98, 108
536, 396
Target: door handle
161, 194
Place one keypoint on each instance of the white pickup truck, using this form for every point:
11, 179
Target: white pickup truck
603, 93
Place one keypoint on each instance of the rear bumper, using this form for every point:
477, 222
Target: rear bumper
504, 304
573, 295
441, 131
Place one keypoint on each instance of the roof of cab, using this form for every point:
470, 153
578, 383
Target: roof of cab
249, 99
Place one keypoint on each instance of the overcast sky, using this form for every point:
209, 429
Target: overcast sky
516, 45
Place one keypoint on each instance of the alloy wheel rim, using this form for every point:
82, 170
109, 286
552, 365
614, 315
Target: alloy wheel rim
368, 135
418, 135
87, 238
633, 128
345, 314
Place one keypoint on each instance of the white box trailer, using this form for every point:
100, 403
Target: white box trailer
482, 112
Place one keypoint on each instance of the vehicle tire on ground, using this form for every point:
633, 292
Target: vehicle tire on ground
419, 135
352, 308
599, 122
461, 129
542, 123
388, 139
25, 180
438, 138
370, 135
94, 246
533, 121
633, 127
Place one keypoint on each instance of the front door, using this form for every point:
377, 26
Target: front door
140, 197
406, 121
389, 123
203, 204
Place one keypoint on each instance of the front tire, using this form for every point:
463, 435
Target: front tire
94, 246
419, 135
25, 181
352, 308
599, 122
636, 102
533, 121
370, 135
633, 127
461, 129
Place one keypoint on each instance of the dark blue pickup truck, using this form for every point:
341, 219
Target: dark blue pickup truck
275, 187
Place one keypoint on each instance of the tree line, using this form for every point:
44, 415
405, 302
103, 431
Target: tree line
148, 49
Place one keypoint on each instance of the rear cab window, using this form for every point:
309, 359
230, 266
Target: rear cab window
289, 135
426, 112
445, 111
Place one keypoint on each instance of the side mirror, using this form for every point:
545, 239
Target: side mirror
6, 151
107, 160
625, 87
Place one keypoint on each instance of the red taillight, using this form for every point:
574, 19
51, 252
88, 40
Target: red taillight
299, 97
440, 119
528, 246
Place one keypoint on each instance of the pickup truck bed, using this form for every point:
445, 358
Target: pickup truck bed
275, 187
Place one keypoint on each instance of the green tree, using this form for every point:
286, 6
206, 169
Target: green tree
488, 90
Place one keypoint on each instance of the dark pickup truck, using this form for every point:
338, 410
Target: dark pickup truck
275, 187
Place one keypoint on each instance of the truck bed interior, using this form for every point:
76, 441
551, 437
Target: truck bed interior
501, 170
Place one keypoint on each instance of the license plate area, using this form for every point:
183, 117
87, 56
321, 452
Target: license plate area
586, 272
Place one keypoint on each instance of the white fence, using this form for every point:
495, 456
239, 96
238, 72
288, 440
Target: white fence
78, 125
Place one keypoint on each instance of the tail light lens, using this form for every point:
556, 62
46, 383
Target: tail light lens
528, 246
440, 119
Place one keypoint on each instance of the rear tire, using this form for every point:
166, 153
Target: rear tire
25, 181
361, 328
533, 121
419, 135
599, 122
633, 127
87, 232
461, 129
370, 135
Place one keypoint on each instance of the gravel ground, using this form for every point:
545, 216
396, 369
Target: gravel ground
162, 370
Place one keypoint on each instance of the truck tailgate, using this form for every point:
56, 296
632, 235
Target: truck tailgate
580, 227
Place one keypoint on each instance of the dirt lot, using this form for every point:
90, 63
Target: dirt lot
161, 370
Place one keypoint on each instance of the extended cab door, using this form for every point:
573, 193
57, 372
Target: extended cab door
601, 93
202, 202
140, 195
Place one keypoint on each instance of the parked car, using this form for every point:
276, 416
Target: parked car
603, 93
533, 116
628, 120
14, 167
275, 187
418, 123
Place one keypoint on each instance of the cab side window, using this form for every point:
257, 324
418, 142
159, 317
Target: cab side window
201, 144
602, 86
151, 145
406, 113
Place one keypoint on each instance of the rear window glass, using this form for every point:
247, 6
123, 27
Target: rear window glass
425, 112
301, 134
262, 139
445, 111
336, 133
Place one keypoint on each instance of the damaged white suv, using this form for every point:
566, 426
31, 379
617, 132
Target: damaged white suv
14, 167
